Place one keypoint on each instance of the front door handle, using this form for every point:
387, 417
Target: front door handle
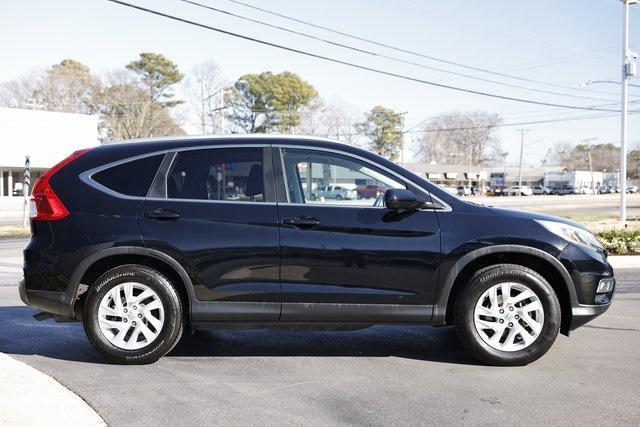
162, 214
302, 221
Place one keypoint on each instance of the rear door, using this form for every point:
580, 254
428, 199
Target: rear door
213, 210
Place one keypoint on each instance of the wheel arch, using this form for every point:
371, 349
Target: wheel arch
538, 260
98, 263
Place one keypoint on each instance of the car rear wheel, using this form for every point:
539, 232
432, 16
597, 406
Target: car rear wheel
133, 315
507, 315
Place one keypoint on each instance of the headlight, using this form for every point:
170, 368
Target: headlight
572, 234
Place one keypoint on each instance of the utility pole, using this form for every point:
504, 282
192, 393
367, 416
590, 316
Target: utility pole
401, 115
523, 132
588, 142
628, 70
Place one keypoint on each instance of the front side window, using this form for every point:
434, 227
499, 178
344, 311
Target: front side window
226, 174
318, 177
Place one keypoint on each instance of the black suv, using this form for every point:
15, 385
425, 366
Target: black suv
141, 240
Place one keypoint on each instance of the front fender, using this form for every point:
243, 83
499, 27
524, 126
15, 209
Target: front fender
446, 286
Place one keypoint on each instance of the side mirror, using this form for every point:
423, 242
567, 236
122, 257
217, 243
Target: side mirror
401, 200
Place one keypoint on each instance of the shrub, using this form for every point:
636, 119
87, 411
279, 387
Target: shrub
620, 242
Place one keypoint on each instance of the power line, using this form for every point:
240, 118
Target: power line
410, 52
353, 65
380, 55
535, 122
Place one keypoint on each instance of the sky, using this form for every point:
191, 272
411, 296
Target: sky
561, 42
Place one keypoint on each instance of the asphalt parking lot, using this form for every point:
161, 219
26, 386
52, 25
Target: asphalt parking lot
407, 375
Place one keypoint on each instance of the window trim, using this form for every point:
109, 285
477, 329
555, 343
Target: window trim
267, 174
276, 179
405, 180
87, 176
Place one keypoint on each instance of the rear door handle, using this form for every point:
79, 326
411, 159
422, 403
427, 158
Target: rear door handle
302, 222
162, 214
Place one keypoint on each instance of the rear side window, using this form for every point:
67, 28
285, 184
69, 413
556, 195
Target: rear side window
131, 178
230, 174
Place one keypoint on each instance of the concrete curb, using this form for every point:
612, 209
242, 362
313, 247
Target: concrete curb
31, 398
624, 261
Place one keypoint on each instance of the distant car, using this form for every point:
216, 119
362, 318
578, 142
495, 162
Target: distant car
606, 189
563, 190
516, 190
334, 192
370, 191
541, 189
586, 190
632, 189
463, 191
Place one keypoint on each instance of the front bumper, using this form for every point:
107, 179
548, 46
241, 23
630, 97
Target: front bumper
582, 314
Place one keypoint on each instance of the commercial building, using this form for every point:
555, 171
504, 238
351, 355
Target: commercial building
46, 137
577, 179
494, 177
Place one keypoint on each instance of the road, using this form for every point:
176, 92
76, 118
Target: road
404, 375
11, 260
576, 206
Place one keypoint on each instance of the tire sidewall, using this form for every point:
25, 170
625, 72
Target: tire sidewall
483, 281
171, 329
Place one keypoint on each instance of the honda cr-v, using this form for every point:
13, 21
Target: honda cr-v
141, 240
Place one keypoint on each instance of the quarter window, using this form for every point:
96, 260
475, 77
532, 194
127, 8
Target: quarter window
229, 174
317, 177
132, 178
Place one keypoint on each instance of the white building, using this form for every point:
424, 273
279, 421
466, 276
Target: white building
579, 179
46, 137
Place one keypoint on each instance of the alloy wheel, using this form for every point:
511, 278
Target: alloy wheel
509, 316
131, 316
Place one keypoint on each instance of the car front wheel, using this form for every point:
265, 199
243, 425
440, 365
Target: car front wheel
507, 315
133, 315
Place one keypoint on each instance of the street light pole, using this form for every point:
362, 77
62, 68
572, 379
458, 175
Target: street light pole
628, 70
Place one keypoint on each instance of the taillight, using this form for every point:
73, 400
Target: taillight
45, 204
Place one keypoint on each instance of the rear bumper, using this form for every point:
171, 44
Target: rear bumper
55, 303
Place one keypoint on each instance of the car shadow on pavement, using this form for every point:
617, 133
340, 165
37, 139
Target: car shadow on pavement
22, 334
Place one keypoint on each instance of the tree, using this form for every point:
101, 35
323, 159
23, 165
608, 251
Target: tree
633, 162
157, 74
269, 102
129, 113
204, 89
19, 93
460, 137
383, 126
67, 87
338, 121
558, 154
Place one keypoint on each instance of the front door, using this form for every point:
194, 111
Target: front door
215, 213
345, 257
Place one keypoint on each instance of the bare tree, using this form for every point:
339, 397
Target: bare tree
19, 93
334, 120
558, 154
204, 89
460, 137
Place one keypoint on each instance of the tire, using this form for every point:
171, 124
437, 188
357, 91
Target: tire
158, 317
515, 350
338, 197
